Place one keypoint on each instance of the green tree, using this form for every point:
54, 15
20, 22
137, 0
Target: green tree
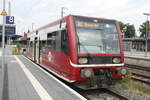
130, 31
127, 29
143, 29
122, 26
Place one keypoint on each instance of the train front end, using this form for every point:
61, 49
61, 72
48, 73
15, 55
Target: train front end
97, 57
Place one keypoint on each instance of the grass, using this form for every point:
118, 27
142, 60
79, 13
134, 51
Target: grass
140, 88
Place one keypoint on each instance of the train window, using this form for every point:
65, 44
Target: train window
64, 42
51, 40
49, 35
31, 47
49, 44
28, 45
43, 46
31, 44
54, 40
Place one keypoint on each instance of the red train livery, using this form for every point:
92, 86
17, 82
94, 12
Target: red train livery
85, 51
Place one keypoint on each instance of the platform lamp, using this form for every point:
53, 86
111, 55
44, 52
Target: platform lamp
62, 11
147, 14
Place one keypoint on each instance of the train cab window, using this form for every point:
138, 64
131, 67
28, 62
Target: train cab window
64, 42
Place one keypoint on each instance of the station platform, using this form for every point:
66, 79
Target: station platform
137, 58
21, 79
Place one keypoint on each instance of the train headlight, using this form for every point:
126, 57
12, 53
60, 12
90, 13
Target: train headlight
116, 60
86, 73
122, 71
83, 60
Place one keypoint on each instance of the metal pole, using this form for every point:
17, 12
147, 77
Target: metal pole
3, 38
9, 9
147, 14
9, 14
62, 12
146, 38
32, 26
62, 8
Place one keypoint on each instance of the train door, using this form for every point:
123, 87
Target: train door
62, 58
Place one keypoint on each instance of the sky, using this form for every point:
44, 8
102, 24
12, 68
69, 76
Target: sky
37, 13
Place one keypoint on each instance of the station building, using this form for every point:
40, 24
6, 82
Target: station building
136, 44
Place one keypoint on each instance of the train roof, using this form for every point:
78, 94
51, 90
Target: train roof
63, 19
93, 17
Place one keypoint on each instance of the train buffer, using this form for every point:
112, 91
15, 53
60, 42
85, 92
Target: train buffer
23, 80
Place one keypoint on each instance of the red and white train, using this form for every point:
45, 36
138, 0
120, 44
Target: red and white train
85, 51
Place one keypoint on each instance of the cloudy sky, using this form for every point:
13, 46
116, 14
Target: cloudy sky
41, 12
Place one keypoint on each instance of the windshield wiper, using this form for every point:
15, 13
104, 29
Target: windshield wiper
100, 29
78, 42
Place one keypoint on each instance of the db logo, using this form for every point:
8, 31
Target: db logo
49, 56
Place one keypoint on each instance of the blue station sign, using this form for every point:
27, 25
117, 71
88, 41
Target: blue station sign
9, 30
10, 19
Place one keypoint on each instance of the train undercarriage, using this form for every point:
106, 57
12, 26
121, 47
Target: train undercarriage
101, 78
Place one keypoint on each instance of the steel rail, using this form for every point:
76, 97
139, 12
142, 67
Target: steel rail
138, 67
141, 80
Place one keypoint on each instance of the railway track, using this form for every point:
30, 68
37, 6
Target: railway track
138, 67
143, 76
115, 93
102, 94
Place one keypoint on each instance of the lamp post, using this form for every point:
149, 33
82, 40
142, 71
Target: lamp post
62, 15
3, 34
9, 14
9, 8
62, 11
147, 14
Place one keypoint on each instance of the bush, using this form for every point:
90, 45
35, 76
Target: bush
19, 46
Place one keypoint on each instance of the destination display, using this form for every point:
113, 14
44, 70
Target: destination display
87, 24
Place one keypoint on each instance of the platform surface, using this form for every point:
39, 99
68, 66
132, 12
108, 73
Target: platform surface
137, 55
23, 80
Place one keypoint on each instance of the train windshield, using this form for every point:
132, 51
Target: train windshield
96, 36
